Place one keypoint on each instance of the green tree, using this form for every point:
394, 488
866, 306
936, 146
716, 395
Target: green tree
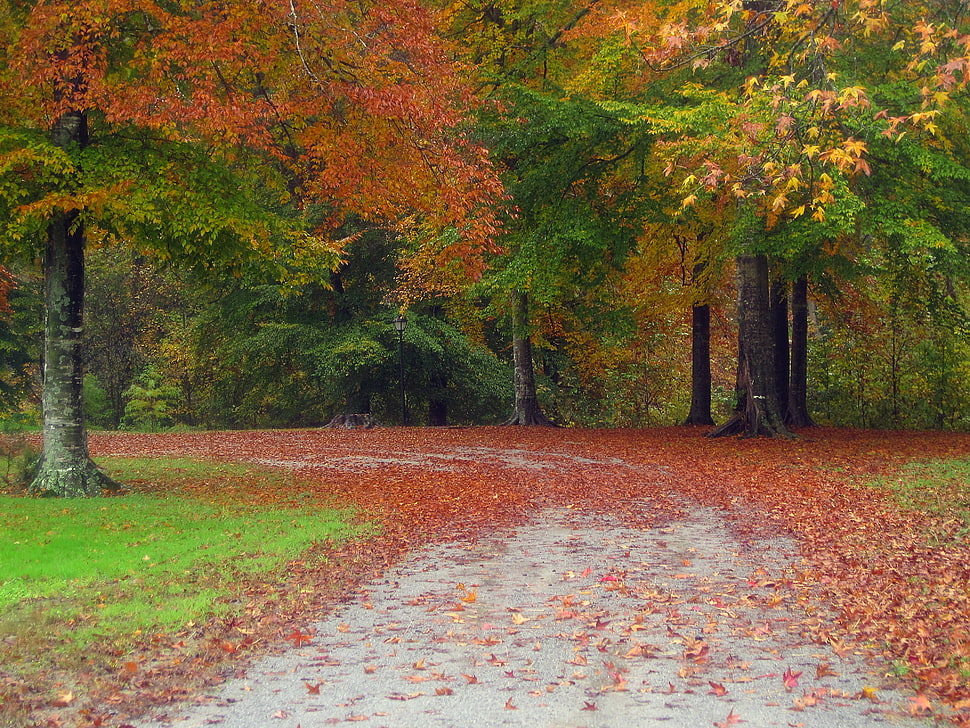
194, 133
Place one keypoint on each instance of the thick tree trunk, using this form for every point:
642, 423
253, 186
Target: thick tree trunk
779, 334
797, 415
757, 412
527, 410
700, 372
65, 467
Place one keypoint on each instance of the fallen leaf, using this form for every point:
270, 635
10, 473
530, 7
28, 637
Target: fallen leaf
299, 638
509, 706
823, 669
920, 704
790, 679
716, 689
869, 694
588, 705
731, 719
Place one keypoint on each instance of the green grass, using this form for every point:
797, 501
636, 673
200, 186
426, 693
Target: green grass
938, 487
146, 561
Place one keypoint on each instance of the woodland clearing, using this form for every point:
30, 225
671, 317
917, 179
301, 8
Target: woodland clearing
869, 577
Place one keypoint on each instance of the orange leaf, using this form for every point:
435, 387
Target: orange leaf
731, 719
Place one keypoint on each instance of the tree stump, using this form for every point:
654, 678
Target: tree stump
351, 422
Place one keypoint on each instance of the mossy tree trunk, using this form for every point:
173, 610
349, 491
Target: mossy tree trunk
527, 410
65, 467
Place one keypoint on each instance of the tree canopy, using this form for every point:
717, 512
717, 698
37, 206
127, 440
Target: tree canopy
563, 180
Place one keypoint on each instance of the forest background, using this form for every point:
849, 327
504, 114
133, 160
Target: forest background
590, 187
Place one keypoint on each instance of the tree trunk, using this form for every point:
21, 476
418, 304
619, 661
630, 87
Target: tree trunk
438, 401
65, 467
797, 415
757, 412
779, 334
700, 372
527, 410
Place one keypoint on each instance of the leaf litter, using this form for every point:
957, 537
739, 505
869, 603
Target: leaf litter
636, 642
863, 579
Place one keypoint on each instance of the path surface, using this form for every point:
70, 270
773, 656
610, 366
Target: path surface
569, 620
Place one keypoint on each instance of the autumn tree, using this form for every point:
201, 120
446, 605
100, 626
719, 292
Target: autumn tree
199, 134
570, 166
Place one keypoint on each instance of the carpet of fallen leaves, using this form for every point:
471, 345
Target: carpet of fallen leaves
892, 580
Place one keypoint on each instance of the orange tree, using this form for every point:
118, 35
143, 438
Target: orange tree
232, 133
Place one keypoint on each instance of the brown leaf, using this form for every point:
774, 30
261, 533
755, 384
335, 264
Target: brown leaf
824, 669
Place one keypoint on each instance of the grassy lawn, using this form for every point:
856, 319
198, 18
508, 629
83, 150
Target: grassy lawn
95, 576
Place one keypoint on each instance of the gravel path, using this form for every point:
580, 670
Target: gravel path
569, 621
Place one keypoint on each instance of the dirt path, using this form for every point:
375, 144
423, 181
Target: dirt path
562, 617
568, 621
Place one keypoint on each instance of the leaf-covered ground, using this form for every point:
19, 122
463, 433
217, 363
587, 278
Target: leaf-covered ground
894, 580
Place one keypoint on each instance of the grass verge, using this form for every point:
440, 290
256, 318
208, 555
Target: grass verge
84, 581
938, 487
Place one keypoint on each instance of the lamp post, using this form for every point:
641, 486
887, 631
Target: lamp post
399, 323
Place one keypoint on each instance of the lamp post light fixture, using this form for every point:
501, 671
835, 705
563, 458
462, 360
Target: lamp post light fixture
399, 325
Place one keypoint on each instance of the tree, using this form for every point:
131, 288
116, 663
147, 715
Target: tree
526, 409
128, 304
797, 414
200, 133
758, 410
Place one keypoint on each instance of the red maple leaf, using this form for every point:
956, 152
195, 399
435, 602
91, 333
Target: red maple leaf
790, 679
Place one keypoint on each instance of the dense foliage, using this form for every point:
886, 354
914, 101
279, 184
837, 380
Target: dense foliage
258, 212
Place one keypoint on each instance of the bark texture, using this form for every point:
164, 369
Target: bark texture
65, 467
757, 412
797, 415
700, 372
527, 410
779, 335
